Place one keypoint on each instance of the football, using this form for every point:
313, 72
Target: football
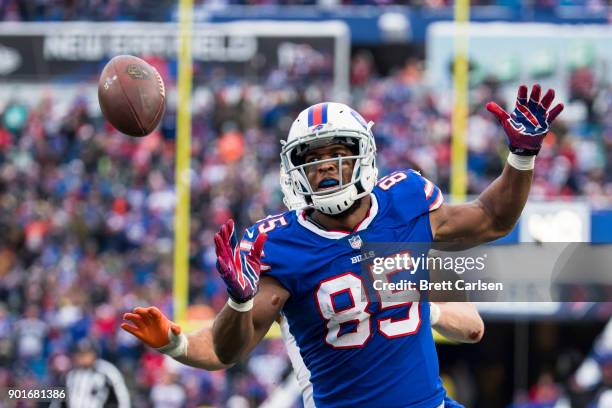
132, 95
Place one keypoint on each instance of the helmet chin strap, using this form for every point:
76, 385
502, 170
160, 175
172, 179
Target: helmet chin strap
349, 210
336, 203
346, 213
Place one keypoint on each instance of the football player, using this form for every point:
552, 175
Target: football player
359, 351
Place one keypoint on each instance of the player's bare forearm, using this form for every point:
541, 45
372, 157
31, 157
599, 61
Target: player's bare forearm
491, 216
459, 321
201, 353
505, 198
235, 333
232, 333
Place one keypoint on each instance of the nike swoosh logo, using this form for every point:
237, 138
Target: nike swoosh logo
250, 233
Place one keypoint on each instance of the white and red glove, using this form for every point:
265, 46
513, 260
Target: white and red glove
239, 266
530, 120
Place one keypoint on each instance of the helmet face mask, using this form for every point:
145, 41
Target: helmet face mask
345, 127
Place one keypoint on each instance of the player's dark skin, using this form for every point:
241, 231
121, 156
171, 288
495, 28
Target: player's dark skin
492, 215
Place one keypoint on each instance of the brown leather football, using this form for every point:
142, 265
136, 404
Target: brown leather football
131, 95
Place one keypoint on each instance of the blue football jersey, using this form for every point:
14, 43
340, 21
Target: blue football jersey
359, 351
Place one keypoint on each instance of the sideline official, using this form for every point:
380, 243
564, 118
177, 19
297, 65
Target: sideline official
93, 382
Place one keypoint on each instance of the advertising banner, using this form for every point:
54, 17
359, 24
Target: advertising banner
74, 52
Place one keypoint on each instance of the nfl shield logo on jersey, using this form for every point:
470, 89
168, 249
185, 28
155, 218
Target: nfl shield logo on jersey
355, 242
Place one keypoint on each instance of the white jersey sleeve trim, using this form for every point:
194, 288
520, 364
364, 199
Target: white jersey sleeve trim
302, 373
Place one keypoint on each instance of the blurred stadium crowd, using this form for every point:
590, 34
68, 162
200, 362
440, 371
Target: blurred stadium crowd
159, 10
86, 214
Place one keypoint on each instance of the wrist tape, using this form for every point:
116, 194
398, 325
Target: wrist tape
177, 347
240, 307
521, 162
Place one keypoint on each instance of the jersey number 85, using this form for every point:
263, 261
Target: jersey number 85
356, 314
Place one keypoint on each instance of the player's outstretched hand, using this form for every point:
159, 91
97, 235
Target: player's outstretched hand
238, 266
154, 329
530, 120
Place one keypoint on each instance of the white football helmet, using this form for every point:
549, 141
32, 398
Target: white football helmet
322, 125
